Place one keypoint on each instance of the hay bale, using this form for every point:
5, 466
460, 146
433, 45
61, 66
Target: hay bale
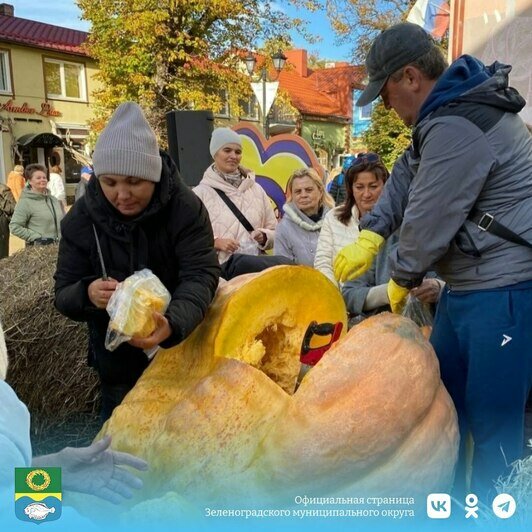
519, 484
47, 352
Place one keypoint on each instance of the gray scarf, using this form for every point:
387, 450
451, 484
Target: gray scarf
233, 179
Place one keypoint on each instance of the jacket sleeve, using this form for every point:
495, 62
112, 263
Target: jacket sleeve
74, 273
19, 222
282, 245
323, 259
355, 292
14, 432
368, 291
7, 202
198, 268
269, 221
454, 165
387, 215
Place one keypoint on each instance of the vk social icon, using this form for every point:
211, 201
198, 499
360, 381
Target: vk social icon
471, 507
439, 506
503, 506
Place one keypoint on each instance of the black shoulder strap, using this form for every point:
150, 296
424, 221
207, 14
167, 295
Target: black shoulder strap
484, 117
235, 210
486, 222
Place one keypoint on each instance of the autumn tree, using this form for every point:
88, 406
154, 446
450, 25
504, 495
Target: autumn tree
176, 54
387, 135
358, 21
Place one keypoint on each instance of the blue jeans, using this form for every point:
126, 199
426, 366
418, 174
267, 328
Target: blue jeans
483, 340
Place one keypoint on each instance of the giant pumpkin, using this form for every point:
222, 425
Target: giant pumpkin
218, 420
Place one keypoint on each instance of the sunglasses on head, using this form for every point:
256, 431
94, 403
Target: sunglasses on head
366, 158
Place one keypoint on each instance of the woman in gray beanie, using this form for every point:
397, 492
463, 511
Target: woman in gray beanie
136, 213
241, 213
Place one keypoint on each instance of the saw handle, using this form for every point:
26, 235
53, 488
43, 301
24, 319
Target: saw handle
312, 355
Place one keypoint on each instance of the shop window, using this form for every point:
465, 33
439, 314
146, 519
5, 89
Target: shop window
64, 80
5, 77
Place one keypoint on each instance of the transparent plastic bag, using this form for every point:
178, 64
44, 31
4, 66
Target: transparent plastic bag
132, 305
420, 313
248, 246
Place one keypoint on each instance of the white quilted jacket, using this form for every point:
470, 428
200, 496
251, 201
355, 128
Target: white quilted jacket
334, 235
249, 197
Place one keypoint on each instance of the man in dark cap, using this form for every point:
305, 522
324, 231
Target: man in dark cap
462, 194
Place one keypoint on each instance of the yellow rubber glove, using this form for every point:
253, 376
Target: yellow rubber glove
353, 260
397, 296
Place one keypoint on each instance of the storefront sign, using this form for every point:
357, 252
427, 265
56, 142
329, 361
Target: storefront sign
47, 109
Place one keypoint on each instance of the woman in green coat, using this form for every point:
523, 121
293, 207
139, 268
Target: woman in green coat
37, 214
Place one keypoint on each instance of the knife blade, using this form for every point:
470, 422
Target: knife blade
100, 254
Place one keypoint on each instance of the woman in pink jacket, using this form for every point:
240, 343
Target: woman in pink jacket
242, 217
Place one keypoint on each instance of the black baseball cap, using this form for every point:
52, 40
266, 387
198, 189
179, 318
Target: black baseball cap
392, 49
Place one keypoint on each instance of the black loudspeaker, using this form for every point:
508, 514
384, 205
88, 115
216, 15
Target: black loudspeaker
189, 135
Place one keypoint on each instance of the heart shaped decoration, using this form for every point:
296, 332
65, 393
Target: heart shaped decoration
274, 160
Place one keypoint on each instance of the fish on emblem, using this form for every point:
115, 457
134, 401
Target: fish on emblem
38, 511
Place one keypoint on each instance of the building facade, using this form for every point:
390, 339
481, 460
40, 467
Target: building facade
317, 104
46, 83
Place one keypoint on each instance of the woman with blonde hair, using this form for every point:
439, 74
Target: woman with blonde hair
307, 203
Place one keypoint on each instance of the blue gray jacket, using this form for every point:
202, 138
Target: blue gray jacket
356, 291
296, 235
455, 166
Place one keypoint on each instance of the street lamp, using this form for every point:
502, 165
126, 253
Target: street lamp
278, 59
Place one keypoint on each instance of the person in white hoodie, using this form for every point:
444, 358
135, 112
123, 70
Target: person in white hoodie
56, 186
307, 203
241, 214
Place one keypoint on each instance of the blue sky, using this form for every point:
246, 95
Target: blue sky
65, 13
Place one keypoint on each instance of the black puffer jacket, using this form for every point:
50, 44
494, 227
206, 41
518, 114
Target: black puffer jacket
172, 237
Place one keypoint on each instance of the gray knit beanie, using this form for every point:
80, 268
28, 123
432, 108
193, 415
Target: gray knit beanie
128, 146
222, 136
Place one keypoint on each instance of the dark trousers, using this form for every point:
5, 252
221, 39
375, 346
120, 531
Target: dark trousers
239, 264
112, 396
483, 340
4, 237
118, 370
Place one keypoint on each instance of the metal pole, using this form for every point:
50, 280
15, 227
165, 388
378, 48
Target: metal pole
264, 114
